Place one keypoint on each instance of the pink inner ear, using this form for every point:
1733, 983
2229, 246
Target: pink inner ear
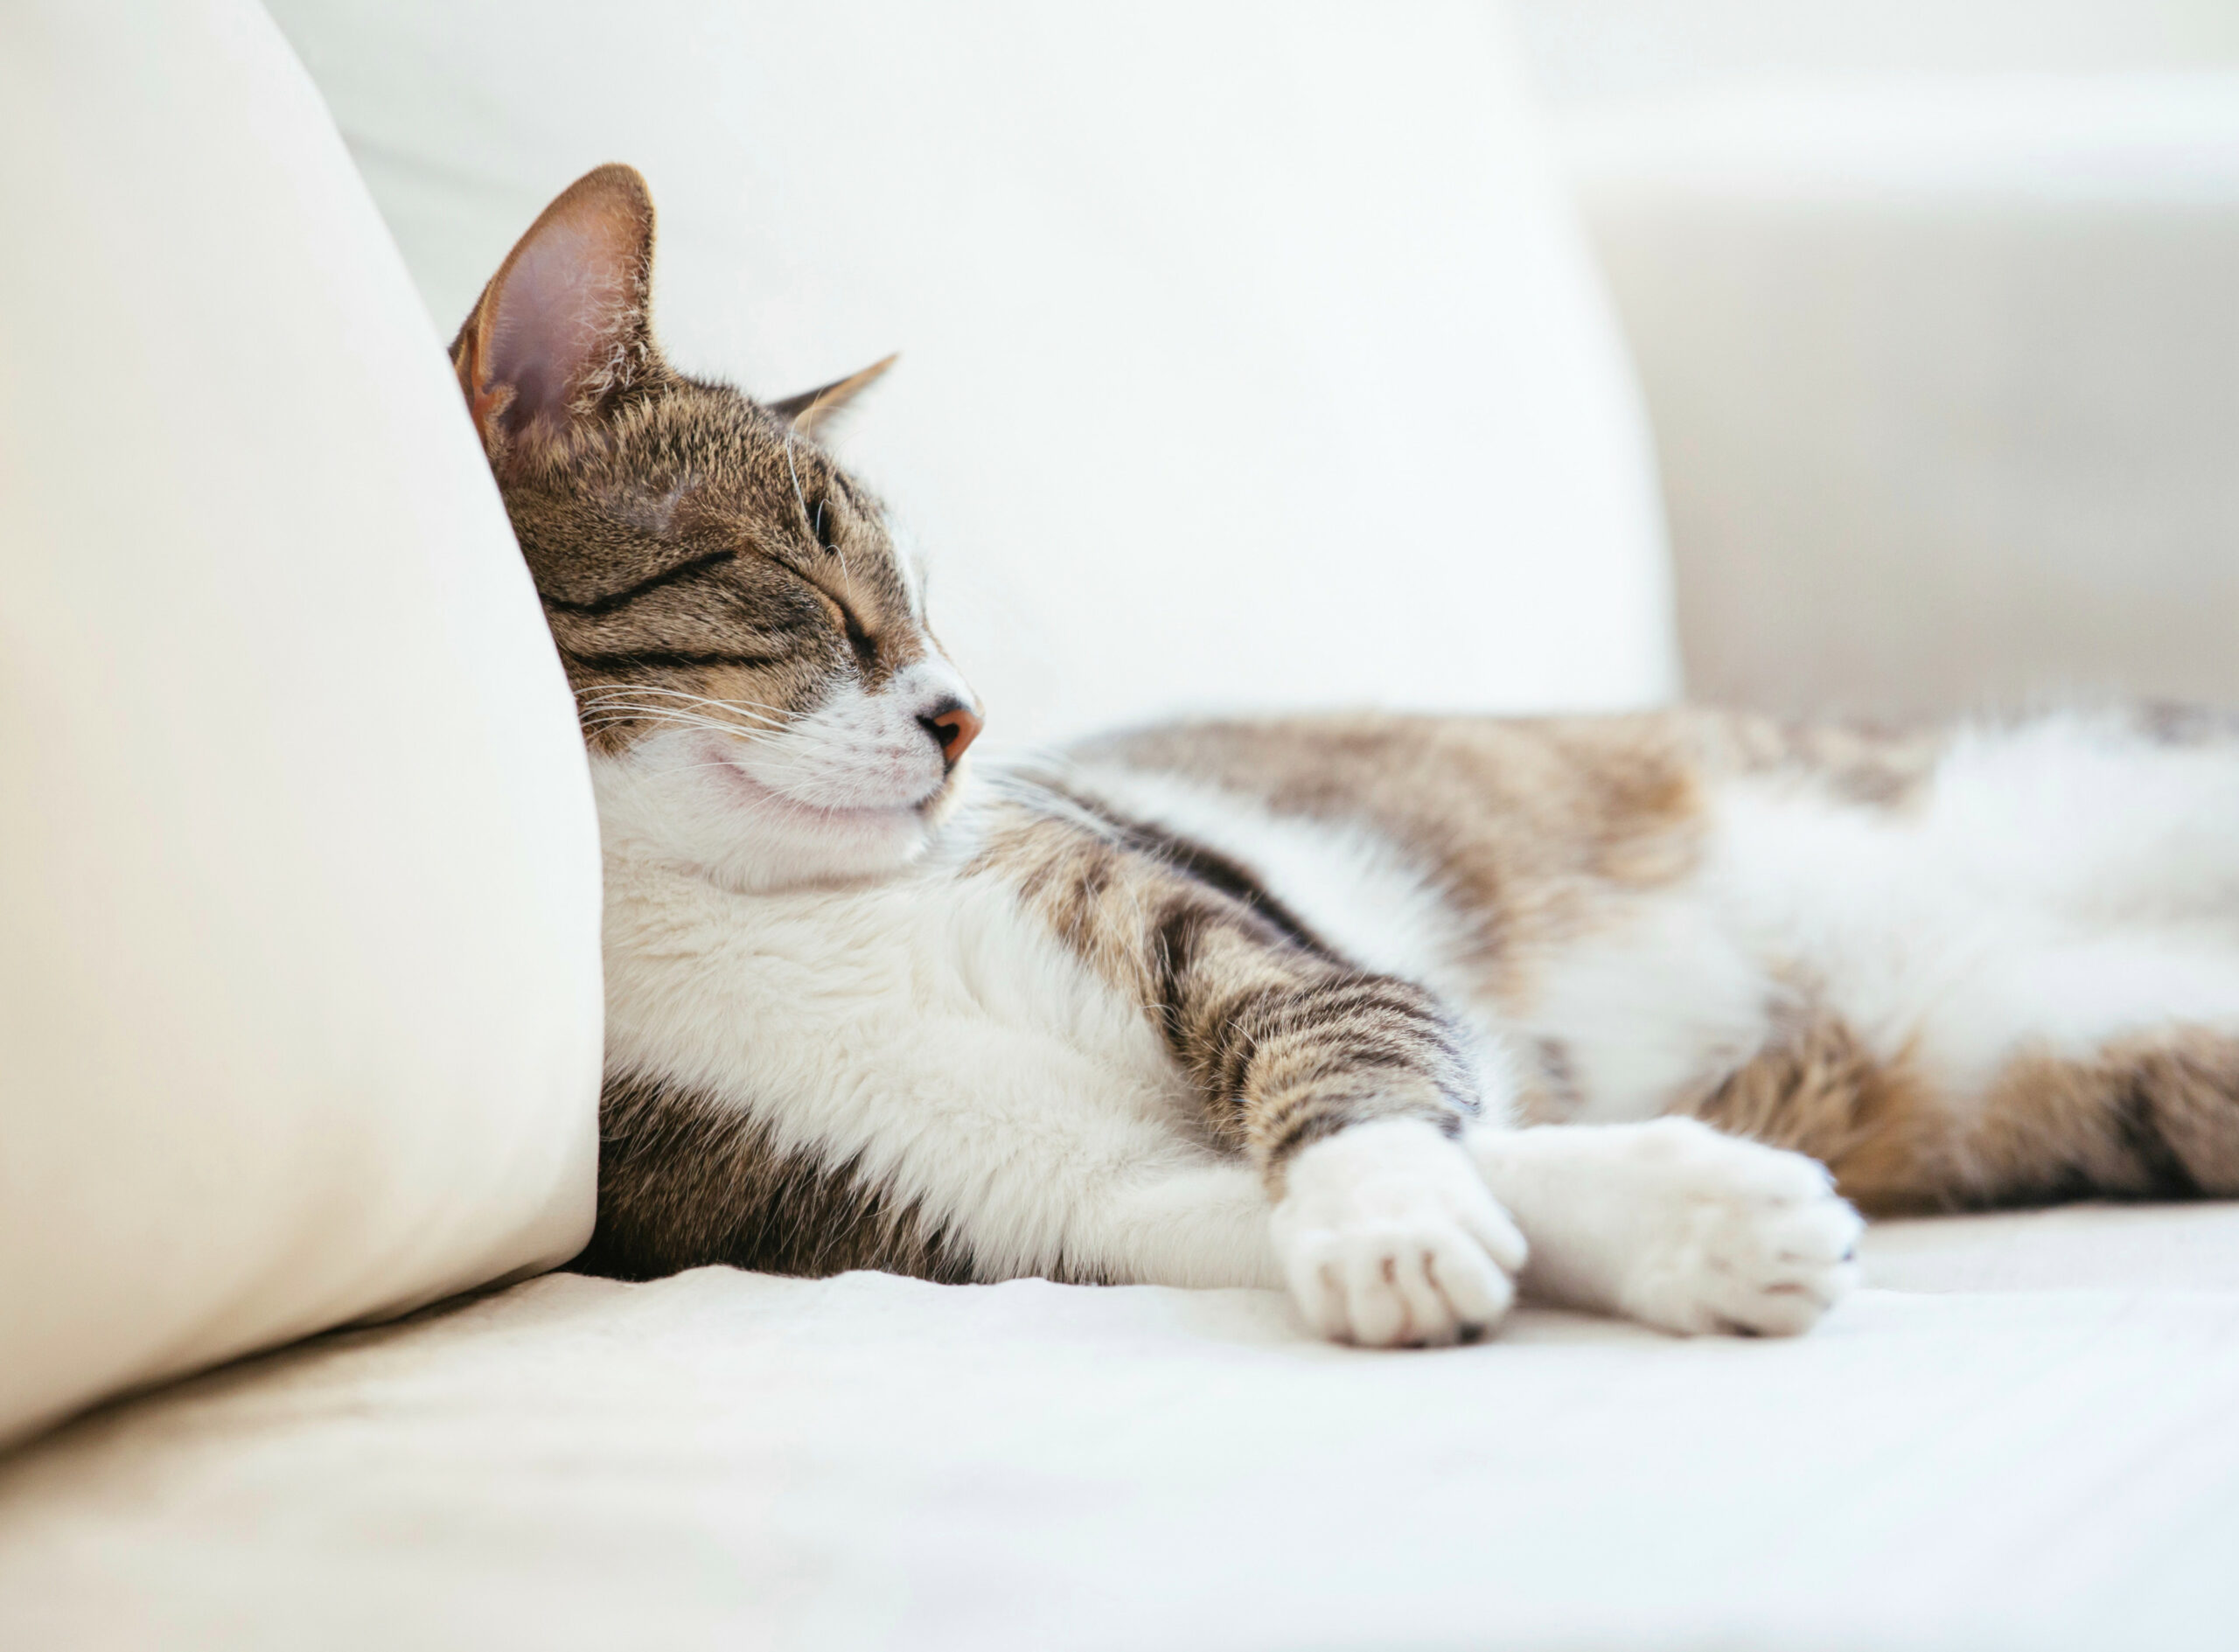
563, 301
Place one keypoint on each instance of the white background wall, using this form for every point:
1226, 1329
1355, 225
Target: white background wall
1585, 52
1936, 306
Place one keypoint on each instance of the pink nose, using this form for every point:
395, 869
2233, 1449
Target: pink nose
953, 727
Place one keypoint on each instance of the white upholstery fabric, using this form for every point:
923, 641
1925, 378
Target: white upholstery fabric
726, 1460
299, 990
1249, 357
1945, 380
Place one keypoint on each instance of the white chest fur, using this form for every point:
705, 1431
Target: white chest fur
931, 1032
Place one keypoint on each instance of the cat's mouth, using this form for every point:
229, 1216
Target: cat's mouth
768, 800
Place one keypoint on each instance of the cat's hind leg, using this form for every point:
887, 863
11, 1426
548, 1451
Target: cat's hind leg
1674, 1224
2020, 986
2150, 1115
2101, 1065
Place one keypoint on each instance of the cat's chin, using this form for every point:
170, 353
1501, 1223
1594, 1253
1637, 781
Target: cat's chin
815, 855
724, 826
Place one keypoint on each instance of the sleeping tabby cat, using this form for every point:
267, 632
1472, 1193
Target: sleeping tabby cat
1399, 1012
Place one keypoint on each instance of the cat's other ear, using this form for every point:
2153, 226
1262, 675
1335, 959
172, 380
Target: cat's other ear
806, 411
563, 326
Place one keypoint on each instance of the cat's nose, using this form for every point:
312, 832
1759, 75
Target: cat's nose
953, 726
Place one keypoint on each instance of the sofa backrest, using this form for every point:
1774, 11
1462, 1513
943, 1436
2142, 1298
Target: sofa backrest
1250, 357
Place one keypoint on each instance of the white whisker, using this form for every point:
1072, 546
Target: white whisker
624, 691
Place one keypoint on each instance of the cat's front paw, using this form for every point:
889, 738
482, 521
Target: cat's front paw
1389, 1237
1725, 1234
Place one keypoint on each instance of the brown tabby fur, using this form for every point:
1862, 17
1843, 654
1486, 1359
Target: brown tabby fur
685, 1180
685, 540
1284, 1041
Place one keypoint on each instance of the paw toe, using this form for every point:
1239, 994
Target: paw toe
1375, 1309
1498, 1236
1479, 1291
1432, 1322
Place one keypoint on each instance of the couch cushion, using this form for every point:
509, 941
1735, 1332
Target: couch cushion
730, 1459
299, 988
1249, 357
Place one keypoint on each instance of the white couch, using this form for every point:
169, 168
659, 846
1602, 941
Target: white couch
1216, 317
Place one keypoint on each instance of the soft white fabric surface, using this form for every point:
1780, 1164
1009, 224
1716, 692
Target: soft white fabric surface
299, 975
1250, 356
730, 1460
2072, 1247
1945, 379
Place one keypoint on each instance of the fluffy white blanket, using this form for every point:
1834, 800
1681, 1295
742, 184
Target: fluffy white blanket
2028, 1436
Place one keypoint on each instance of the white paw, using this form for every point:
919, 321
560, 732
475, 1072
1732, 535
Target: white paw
1389, 1237
1729, 1236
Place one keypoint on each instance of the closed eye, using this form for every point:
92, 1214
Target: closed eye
613, 600
858, 638
673, 659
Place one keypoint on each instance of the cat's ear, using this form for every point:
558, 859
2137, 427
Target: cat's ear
812, 408
563, 326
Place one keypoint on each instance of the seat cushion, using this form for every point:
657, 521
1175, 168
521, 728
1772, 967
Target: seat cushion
726, 1459
1249, 356
299, 974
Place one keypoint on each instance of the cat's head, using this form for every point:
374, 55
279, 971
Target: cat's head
747, 644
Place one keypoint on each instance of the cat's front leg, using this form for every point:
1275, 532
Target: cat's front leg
1387, 1237
1345, 1091
1674, 1224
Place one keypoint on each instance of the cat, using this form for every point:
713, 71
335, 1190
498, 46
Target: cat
1400, 1013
